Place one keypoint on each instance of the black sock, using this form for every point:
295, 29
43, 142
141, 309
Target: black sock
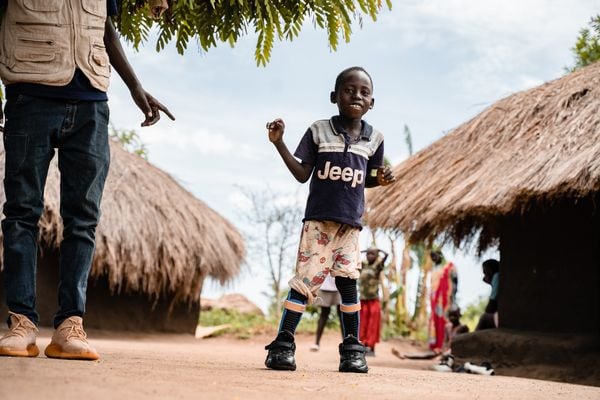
349, 293
290, 319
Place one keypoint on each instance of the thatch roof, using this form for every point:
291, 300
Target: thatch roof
539, 144
154, 236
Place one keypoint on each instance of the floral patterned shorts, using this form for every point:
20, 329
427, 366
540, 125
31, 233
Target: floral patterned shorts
326, 247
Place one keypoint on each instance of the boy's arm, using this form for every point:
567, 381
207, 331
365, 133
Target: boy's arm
144, 100
301, 171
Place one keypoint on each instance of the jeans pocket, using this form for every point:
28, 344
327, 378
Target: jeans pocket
15, 148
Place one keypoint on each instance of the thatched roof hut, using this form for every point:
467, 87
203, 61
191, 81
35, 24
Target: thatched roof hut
155, 239
542, 143
525, 175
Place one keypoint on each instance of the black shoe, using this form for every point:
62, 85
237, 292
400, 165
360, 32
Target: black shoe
281, 353
352, 356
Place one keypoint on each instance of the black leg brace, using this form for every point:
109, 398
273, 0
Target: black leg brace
349, 293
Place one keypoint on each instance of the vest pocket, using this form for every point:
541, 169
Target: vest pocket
95, 7
99, 60
34, 60
43, 5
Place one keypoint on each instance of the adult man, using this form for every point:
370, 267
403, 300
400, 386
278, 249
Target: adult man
55, 58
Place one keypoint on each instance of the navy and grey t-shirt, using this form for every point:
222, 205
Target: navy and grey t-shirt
337, 186
79, 88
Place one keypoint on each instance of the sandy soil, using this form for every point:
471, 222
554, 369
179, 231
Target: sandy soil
181, 367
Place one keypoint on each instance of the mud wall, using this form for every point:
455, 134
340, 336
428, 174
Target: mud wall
104, 310
550, 268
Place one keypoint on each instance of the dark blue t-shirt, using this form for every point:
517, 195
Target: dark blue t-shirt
337, 186
79, 88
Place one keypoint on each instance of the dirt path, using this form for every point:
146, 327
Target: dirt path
180, 367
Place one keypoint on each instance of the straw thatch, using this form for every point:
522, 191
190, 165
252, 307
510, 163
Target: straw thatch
530, 148
154, 236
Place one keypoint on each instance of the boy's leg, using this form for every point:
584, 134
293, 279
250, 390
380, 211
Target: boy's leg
350, 306
28, 151
346, 269
83, 160
281, 351
352, 351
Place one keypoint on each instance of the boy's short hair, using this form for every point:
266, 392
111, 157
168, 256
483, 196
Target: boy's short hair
342, 75
493, 265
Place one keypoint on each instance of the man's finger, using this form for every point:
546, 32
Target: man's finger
164, 109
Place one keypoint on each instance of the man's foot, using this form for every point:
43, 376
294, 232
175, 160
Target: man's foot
352, 356
69, 342
281, 353
19, 341
314, 347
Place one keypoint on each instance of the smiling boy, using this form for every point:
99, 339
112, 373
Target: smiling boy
343, 155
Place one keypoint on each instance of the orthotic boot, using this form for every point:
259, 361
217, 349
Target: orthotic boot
352, 356
281, 352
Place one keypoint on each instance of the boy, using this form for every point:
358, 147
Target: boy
491, 276
344, 155
370, 304
55, 62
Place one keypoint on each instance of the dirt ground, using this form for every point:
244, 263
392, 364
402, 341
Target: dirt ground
180, 367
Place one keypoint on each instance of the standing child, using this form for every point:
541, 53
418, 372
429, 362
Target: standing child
370, 304
328, 297
344, 155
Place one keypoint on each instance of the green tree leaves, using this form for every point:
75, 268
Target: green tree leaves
210, 22
587, 47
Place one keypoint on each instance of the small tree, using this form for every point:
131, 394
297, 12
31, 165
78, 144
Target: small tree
273, 221
587, 47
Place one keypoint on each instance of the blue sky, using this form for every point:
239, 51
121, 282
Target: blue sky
435, 64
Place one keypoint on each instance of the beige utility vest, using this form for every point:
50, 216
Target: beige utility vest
44, 41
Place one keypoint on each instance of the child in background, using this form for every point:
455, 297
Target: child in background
491, 276
370, 304
343, 154
328, 297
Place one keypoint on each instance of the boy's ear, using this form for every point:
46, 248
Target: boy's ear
332, 98
372, 104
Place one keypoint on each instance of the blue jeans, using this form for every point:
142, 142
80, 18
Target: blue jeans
34, 128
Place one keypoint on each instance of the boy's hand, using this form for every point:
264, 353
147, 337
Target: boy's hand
276, 129
385, 176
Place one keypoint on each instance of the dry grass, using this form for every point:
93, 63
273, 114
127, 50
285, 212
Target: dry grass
538, 145
154, 236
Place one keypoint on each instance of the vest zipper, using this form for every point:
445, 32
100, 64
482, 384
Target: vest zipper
38, 24
45, 41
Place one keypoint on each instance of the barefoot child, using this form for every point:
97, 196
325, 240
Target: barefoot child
370, 304
344, 155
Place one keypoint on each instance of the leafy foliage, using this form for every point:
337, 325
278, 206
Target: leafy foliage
209, 22
130, 140
587, 47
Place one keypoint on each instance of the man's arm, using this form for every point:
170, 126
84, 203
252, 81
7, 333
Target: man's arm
300, 171
144, 100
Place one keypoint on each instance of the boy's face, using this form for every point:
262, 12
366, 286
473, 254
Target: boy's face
371, 256
487, 274
354, 97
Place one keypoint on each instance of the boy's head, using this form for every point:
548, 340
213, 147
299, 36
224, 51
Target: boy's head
372, 254
353, 92
490, 267
436, 256
454, 316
